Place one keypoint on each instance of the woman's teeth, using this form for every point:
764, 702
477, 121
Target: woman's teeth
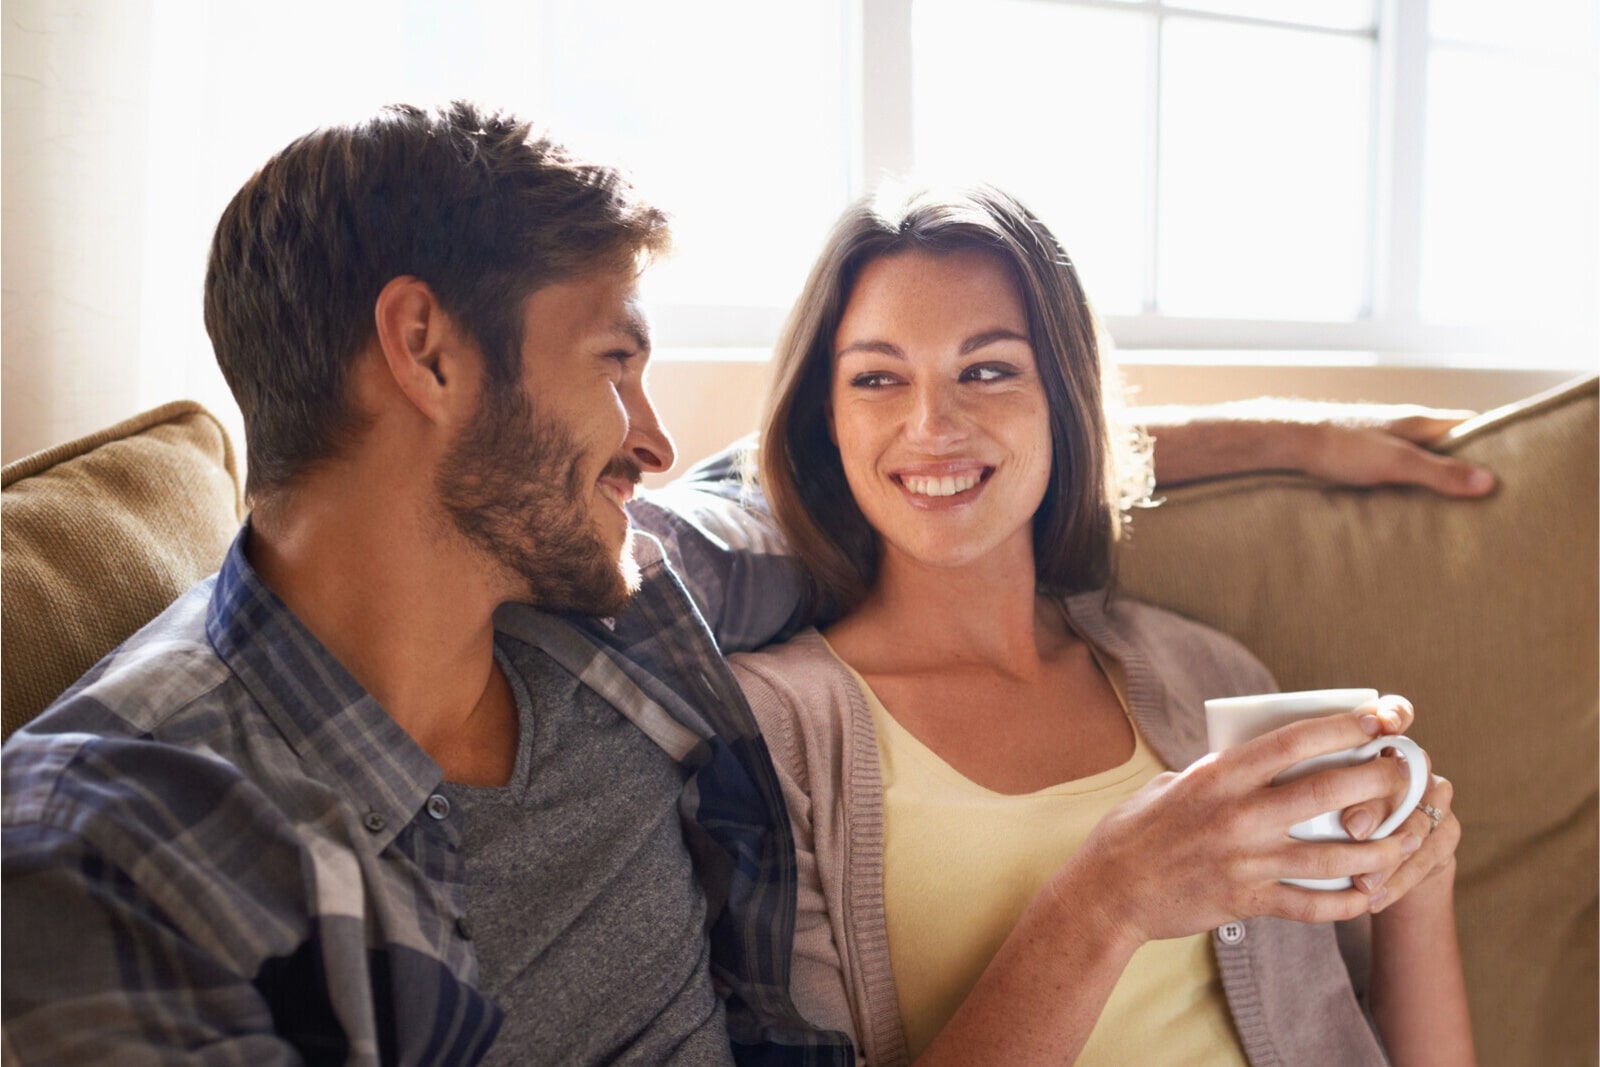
949, 485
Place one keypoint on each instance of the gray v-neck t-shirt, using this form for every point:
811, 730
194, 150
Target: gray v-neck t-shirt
581, 896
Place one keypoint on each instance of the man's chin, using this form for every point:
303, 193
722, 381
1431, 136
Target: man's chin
628, 568
628, 579
598, 590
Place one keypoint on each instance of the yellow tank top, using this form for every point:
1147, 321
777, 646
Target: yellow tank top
961, 862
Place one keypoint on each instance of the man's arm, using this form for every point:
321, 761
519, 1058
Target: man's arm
1348, 444
94, 972
723, 543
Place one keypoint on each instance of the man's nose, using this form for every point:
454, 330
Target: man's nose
648, 441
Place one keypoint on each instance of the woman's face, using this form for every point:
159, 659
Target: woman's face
938, 410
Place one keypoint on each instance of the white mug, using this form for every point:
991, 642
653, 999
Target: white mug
1234, 720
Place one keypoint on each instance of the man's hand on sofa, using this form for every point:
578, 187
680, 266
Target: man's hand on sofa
1349, 444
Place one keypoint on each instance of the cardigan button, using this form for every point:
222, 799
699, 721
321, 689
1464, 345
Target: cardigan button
1231, 933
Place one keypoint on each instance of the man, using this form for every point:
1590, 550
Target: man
249, 827
443, 765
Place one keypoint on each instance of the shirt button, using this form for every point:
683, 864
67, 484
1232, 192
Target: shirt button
439, 806
1231, 933
463, 928
374, 822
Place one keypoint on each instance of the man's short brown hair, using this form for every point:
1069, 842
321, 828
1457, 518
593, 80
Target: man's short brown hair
477, 205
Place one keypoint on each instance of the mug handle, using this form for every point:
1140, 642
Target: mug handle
1416, 762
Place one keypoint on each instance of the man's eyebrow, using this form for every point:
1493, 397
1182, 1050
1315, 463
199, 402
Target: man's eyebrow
636, 329
989, 337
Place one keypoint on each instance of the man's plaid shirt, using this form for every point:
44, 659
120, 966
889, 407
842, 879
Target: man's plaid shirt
217, 846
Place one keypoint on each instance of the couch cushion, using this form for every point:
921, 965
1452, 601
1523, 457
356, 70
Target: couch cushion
1484, 614
98, 535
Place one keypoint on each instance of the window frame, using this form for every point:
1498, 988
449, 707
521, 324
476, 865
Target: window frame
879, 132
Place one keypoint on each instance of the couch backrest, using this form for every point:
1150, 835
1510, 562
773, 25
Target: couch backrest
1484, 614
97, 536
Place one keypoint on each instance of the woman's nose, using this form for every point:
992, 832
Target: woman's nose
935, 416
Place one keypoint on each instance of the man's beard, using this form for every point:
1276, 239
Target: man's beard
513, 488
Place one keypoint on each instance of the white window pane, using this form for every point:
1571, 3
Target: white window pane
729, 114
1336, 14
1265, 171
1048, 102
1566, 26
1511, 182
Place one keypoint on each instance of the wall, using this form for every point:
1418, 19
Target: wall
73, 115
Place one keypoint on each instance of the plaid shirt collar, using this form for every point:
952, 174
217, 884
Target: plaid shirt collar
340, 733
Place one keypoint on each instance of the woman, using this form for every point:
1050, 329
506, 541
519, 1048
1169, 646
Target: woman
996, 862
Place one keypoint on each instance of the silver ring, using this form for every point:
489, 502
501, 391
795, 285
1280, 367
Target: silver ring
1433, 813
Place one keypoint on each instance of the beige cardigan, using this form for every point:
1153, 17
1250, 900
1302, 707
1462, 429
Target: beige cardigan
1287, 988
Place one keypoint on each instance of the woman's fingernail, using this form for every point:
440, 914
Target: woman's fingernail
1369, 724
1409, 844
1359, 825
1479, 481
1376, 899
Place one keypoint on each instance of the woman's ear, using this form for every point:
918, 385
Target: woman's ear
428, 357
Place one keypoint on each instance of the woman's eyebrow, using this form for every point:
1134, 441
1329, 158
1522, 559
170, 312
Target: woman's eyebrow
989, 337
970, 345
879, 348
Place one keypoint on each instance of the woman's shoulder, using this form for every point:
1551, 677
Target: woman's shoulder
803, 662
800, 693
1171, 640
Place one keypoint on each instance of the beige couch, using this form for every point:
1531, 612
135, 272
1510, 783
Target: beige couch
1484, 613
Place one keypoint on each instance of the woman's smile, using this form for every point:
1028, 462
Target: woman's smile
942, 485
938, 410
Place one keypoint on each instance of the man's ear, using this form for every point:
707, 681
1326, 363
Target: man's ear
428, 355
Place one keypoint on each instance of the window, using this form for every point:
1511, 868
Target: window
1512, 115
1412, 178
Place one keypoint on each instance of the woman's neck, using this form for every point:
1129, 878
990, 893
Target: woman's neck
918, 617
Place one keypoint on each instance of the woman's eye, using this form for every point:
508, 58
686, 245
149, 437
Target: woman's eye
872, 380
987, 372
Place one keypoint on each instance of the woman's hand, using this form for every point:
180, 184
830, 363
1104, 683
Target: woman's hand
1194, 850
1418, 993
1206, 846
1433, 823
